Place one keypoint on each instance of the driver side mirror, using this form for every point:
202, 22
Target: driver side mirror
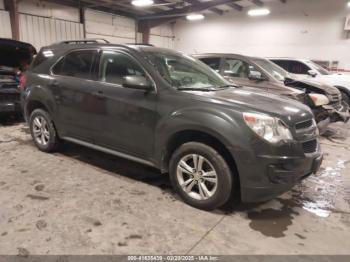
137, 82
312, 73
256, 75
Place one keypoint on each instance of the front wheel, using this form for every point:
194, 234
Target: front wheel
346, 98
201, 176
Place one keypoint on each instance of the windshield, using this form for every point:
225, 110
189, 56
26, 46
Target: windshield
184, 72
274, 70
319, 68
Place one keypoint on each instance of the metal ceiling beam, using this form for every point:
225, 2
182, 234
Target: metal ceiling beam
235, 6
217, 11
194, 8
214, 9
257, 2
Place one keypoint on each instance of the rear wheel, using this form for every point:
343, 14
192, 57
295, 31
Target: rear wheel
43, 131
200, 176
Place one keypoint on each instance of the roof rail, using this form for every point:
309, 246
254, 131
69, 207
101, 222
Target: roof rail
84, 41
141, 44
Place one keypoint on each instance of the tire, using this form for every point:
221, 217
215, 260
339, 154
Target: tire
346, 98
45, 138
217, 194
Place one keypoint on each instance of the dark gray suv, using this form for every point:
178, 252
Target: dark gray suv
170, 111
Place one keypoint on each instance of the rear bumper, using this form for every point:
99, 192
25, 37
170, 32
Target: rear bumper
10, 107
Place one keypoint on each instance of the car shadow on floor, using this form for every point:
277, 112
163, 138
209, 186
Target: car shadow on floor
120, 167
117, 166
10, 120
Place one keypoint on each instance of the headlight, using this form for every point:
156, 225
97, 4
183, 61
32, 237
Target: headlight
319, 100
271, 129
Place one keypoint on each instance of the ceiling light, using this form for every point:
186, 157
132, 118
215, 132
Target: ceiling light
349, 4
258, 12
142, 3
194, 17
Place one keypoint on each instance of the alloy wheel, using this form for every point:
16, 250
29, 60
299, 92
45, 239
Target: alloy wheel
197, 177
41, 130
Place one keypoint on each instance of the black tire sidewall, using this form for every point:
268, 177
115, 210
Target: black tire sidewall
225, 179
53, 141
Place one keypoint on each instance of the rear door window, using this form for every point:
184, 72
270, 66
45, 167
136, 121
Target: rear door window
76, 64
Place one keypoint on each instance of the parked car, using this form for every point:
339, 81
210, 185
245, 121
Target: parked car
309, 69
13, 56
170, 111
324, 100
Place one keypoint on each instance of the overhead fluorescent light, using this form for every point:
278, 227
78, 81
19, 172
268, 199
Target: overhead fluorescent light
195, 17
348, 4
259, 12
142, 3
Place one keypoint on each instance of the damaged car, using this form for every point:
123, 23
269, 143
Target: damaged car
324, 100
15, 57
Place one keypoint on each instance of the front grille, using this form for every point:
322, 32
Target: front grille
334, 98
304, 124
310, 146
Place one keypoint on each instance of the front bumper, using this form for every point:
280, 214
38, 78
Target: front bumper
282, 176
342, 114
266, 176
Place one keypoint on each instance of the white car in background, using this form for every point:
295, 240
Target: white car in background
306, 68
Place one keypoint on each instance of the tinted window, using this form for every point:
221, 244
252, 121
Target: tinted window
213, 62
294, 67
282, 63
238, 68
76, 64
115, 66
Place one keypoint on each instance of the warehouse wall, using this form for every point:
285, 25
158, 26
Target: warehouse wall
312, 29
116, 29
163, 36
5, 25
5, 28
43, 23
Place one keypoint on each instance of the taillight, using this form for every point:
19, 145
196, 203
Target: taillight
22, 82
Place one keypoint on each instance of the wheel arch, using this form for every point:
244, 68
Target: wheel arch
193, 135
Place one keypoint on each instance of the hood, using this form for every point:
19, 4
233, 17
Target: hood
14, 53
336, 80
311, 86
250, 100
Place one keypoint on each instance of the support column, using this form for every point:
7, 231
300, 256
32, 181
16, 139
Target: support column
145, 30
12, 7
82, 19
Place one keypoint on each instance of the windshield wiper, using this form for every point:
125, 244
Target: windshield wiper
195, 89
227, 86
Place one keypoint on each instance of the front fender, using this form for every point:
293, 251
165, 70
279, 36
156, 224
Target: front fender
224, 126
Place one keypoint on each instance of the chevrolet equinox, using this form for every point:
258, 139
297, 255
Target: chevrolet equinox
165, 109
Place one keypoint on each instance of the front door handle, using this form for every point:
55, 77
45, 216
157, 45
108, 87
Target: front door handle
99, 94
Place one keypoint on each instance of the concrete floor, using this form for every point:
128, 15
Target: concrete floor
80, 201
